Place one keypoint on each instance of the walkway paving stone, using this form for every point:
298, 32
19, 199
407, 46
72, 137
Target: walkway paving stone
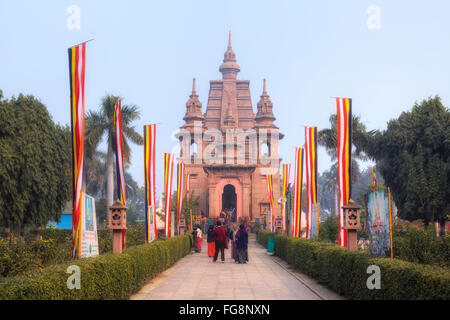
264, 277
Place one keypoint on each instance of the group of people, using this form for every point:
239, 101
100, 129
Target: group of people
219, 239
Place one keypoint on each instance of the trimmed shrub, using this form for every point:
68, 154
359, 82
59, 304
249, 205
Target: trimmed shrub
421, 246
107, 276
345, 272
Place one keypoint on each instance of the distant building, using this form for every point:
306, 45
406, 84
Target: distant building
66, 218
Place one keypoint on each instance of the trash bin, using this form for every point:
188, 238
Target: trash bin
271, 246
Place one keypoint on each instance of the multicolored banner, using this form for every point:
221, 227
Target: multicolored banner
374, 180
168, 177
270, 193
180, 184
149, 182
286, 174
77, 67
188, 186
379, 223
344, 146
312, 188
298, 185
120, 169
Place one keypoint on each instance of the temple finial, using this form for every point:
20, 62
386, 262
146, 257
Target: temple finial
193, 86
229, 39
264, 87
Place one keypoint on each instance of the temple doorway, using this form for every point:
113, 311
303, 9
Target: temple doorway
229, 202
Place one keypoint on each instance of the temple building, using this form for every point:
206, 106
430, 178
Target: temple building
228, 150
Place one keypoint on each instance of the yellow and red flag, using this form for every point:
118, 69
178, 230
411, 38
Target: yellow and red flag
374, 178
77, 67
149, 181
188, 186
286, 174
344, 146
270, 193
168, 177
120, 169
312, 194
298, 185
180, 184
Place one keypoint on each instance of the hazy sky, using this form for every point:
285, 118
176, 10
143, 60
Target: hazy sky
149, 51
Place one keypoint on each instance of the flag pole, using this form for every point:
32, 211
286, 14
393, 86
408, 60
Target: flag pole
82, 43
390, 222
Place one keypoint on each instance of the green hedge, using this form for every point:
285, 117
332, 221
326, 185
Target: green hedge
345, 272
104, 277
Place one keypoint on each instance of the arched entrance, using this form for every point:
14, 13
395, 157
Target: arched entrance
229, 201
228, 193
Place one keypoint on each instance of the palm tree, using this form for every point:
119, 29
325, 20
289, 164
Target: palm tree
360, 139
100, 123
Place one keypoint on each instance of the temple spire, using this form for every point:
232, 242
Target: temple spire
229, 67
264, 116
193, 87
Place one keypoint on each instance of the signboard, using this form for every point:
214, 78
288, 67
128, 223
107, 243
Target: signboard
151, 223
315, 220
89, 239
378, 223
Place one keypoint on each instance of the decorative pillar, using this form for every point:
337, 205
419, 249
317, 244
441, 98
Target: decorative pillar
352, 223
117, 223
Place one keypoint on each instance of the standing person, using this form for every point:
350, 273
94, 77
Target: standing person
242, 245
194, 238
220, 241
199, 238
211, 241
233, 243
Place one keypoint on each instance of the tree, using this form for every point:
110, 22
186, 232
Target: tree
35, 158
100, 123
328, 230
412, 155
328, 139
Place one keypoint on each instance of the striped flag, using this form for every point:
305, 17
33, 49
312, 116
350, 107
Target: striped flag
77, 65
149, 181
344, 145
168, 175
286, 174
180, 184
270, 193
312, 195
374, 178
188, 186
120, 170
298, 185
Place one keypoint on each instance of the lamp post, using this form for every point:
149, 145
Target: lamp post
352, 223
117, 223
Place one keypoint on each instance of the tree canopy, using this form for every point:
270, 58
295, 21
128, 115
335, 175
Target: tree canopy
35, 170
412, 155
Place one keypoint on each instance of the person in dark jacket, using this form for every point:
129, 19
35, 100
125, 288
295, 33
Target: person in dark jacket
242, 244
211, 241
220, 237
194, 238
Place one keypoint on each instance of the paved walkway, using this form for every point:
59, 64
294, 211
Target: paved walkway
264, 277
